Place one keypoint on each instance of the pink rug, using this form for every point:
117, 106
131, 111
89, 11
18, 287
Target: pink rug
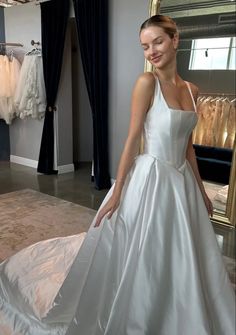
28, 216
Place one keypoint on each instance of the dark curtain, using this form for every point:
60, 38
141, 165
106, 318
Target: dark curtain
54, 19
92, 26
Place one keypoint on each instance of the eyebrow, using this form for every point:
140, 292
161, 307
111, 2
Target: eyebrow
152, 40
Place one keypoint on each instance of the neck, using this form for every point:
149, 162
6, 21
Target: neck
168, 74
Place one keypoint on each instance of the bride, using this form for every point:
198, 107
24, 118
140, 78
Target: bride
150, 263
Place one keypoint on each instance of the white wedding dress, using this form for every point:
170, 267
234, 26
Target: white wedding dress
155, 268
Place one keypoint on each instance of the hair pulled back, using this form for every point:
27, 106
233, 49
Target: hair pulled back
165, 22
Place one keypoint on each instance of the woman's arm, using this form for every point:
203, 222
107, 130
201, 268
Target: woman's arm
191, 157
140, 104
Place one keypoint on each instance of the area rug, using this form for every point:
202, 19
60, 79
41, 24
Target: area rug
28, 216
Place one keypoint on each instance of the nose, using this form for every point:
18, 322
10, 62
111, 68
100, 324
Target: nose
152, 51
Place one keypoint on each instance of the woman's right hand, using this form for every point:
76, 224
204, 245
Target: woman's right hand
109, 208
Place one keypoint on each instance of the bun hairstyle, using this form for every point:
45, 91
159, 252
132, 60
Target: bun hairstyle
165, 22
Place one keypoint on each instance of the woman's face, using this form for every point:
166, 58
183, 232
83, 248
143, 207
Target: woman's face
159, 48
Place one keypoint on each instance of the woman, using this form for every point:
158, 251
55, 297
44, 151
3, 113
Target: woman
150, 263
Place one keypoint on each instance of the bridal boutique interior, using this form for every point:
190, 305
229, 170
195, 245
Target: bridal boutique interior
206, 57
214, 136
207, 60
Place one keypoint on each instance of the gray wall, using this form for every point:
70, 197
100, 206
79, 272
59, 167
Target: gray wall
81, 110
4, 128
63, 122
126, 63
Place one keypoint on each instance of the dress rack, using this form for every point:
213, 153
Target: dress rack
210, 48
218, 94
11, 44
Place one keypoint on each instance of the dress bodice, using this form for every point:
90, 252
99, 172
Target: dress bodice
167, 130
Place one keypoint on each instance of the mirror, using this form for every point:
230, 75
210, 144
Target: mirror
206, 57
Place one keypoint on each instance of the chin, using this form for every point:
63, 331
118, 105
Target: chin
159, 66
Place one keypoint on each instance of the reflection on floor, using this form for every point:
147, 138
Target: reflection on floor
218, 195
78, 188
75, 186
226, 240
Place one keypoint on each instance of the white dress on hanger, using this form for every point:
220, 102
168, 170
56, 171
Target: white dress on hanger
30, 96
154, 268
9, 74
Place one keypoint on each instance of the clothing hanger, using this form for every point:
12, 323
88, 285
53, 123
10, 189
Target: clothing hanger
233, 102
11, 55
208, 99
34, 51
226, 100
201, 99
215, 99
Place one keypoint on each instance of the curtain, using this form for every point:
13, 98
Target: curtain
54, 19
92, 26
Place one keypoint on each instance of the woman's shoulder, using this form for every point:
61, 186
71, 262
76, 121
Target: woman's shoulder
194, 89
146, 80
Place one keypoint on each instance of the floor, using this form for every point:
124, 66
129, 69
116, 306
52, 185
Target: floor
74, 186
218, 194
77, 187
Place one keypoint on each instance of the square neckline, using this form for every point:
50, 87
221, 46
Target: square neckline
176, 109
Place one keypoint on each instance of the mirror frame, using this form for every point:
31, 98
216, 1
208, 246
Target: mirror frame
229, 218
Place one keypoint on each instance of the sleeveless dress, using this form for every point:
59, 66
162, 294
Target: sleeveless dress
154, 268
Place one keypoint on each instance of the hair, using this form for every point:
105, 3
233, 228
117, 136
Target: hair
165, 22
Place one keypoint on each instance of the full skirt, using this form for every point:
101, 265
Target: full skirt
154, 268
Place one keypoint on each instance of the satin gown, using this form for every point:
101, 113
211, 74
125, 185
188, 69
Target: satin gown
154, 268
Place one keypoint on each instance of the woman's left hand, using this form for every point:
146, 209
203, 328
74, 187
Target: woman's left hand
208, 204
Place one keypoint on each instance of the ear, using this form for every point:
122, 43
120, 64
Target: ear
176, 41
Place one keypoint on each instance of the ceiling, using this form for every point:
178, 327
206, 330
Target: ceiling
185, 8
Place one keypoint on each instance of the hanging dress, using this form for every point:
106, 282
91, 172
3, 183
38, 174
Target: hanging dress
30, 96
9, 75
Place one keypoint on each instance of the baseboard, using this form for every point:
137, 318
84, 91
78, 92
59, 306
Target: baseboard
65, 168
34, 164
23, 161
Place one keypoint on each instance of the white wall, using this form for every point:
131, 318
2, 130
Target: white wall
22, 24
126, 63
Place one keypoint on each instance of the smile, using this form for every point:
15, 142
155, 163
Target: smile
156, 59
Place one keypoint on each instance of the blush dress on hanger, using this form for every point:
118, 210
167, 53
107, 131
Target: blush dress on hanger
154, 268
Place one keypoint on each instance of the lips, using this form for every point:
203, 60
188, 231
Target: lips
156, 59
